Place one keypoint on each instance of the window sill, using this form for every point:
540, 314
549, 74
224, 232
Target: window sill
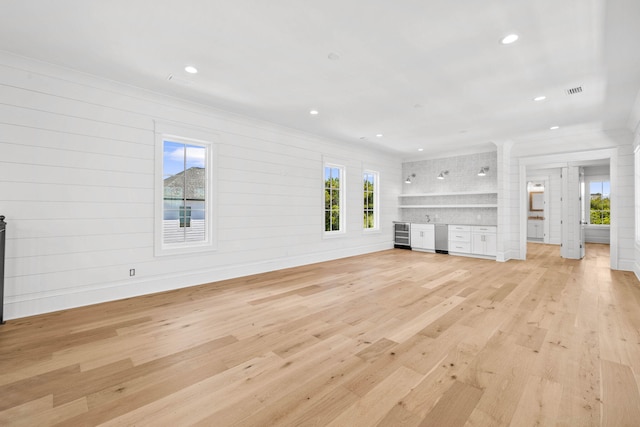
333, 234
184, 249
371, 231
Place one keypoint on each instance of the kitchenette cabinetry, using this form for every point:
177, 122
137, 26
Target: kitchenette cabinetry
483, 240
473, 240
423, 237
460, 239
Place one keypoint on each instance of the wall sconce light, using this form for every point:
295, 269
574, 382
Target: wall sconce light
408, 180
442, 174
483, 171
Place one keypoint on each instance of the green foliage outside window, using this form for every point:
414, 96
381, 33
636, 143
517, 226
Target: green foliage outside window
600, 202
600, 212
332, 199
368, 202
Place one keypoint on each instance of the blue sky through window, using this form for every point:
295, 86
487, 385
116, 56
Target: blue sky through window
600, 187
174, 157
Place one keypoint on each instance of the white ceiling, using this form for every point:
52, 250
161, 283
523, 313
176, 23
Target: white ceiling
424, 73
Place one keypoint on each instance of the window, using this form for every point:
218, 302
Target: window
333, 198
184, 220
184, 196
600, 202
370, 200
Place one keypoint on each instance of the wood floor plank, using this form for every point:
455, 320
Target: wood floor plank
389, 338
425, 319
454, 407
539, 403
42, 412
620, 397
374, 406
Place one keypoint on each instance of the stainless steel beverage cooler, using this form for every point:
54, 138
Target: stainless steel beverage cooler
402, 235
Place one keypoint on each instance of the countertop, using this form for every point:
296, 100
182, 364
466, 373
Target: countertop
455, 223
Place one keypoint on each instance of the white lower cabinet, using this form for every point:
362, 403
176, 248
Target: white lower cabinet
459, 239
535, 229
483, 240
473, 240
423, 237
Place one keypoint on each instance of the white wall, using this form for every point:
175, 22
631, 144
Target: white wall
622, 205
77, 188
508, 204
634, 123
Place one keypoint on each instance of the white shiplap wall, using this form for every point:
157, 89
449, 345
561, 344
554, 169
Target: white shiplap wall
77, 188
625, 202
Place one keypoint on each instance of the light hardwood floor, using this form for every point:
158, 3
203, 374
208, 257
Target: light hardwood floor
395, 338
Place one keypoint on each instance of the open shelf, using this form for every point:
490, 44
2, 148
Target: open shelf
470, 206
460, 193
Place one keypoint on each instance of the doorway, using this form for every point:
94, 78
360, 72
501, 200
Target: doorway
537, 210
563, 211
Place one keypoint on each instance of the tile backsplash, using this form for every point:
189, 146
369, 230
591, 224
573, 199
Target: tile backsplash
462, 177
463, 174
475, 216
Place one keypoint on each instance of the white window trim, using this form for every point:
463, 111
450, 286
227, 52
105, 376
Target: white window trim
587, 199
636, 173
376, 201
343, 207
179, 133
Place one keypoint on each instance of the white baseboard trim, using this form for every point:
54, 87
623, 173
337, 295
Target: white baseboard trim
628, 265
604, 240
508, 255
16, 308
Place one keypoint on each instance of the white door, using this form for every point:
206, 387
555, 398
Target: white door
572, 245
583, 210
563, 214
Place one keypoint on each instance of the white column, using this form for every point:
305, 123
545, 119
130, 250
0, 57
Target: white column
506, 204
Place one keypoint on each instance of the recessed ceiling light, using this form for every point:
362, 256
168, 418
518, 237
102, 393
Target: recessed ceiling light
509, 39
191, 69
379, 135
314, 112
554, 127
420, 149
540, 98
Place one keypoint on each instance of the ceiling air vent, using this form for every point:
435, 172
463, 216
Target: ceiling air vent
574, 90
